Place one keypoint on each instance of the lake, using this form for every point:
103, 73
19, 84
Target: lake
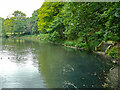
39, 64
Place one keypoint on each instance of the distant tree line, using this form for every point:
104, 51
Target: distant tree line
19, 24
82, 24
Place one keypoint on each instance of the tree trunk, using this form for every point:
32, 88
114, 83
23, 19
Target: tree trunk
86, 40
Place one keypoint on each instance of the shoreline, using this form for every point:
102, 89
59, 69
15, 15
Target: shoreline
106, 56
112, 72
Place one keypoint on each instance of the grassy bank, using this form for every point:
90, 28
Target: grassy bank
112, 53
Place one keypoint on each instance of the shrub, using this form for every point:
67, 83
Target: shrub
113, 52
43, 36
68, 43
54, 36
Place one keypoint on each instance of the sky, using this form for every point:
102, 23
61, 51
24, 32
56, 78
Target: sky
8, 7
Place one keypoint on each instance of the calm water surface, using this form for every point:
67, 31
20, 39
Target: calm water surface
38, 64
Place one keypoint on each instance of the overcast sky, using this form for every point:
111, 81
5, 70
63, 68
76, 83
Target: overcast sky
26, 6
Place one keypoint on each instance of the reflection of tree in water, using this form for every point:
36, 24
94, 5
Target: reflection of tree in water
19, 50
73, 69
60, 66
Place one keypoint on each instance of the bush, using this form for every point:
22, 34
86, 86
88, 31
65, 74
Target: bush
43, 36
113, 52
69, 43
54, 36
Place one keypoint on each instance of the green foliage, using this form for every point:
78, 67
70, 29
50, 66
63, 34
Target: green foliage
19, 14
113, 52
54, 36
20, 25
111, 21
8, 25
35, 22
57, 25
43, 36
2, 30
31, 23
47, 13
93, 22
79, 24
69, 43
15, 24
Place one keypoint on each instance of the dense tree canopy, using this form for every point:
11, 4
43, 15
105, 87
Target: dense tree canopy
18, 24
47, 13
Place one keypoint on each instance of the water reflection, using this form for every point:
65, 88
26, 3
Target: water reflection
34, 64
18, 67
70, 68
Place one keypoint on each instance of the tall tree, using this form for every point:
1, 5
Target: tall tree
19, 22
47, 13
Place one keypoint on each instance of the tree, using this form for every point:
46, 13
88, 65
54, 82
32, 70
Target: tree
35, 22
17, 24
8, 25
47, 13
19, 14
2, 30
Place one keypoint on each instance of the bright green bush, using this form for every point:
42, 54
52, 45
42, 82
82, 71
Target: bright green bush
68, 43
113, 52
43, 36
54, 36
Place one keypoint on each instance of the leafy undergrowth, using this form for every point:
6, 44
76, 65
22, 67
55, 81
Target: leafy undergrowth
114, 52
